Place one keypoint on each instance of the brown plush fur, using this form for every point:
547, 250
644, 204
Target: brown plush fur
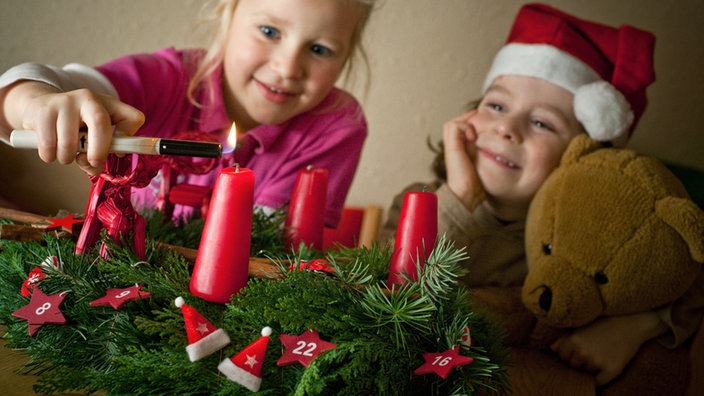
610, 232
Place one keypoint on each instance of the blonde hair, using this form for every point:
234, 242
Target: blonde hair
220, 17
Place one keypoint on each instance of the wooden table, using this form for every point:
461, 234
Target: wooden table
12, 383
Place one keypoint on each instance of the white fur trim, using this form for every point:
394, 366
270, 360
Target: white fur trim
239, 375
541, 61
205, 346
603, 111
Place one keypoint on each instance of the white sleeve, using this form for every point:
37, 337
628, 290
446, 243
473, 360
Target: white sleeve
70, 77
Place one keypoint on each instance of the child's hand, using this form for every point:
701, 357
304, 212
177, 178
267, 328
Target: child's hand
57, 118
462, 178
607, 345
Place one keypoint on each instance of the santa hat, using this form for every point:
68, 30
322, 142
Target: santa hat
203, 337
606, 68
245, 368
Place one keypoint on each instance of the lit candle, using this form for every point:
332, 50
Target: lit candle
415, 235
222, 262
306, 210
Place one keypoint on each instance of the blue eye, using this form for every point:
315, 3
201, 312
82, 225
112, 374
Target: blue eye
495, 106
269, 31
321, 50
542, 125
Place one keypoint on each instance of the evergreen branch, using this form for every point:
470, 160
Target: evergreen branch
442, 270
404, 309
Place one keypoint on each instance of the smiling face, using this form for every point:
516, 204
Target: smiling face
283, 57
523, 126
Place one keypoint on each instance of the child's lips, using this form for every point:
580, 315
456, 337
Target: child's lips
275, 93
499, 159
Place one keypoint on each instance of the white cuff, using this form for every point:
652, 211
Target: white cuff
70, 77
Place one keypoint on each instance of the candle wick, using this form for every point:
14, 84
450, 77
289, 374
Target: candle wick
309, 167
237, 166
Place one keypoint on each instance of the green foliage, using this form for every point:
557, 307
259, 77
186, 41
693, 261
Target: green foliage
380, 333
266, 231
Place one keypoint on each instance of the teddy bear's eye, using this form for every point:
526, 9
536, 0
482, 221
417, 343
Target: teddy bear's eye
547, 249
601, 278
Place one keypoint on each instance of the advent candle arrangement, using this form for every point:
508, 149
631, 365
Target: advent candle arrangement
415, 235
222, 264
306, 211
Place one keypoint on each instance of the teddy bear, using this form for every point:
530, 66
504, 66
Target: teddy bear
610, 232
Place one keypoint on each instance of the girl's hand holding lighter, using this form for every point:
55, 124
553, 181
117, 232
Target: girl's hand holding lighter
58, 117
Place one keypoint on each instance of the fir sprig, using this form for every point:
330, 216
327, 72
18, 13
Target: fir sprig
404, 309
440, 274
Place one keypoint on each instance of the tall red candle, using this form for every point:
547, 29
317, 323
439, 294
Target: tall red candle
306, 210
222, 264
415, 235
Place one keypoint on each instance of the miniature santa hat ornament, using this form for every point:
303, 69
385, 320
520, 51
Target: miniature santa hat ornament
245, 368
203, 337
607, 69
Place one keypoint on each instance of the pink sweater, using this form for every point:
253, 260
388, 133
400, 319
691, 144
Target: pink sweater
330, 136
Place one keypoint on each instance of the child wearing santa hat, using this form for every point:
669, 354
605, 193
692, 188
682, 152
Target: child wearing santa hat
558, 76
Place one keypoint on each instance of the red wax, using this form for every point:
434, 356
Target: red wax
306, 210
347, 232
415, 235
222, 264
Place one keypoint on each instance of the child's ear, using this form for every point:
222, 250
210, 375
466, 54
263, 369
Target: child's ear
579, 146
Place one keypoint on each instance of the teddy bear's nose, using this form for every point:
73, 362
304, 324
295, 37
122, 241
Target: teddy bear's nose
545, 299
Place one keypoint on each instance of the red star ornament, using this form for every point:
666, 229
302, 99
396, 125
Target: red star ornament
42, 309
117, 297
66, 223
303, 348
442, 363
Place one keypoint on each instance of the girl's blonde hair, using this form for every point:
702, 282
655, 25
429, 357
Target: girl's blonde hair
220, 17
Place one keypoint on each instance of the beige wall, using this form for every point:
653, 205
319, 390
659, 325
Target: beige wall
428, 58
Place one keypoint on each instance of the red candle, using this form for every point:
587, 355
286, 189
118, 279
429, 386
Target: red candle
222, 264
415, 235
306, 210
347, 232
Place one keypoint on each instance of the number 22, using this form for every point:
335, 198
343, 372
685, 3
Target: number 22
302, 344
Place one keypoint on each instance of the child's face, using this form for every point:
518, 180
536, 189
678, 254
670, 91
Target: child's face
523, 126
284, 56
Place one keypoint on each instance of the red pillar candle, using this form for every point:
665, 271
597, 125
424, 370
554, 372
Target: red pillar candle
222, 263
306, 210
415, 235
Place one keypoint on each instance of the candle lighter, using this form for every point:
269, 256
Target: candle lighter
132, 144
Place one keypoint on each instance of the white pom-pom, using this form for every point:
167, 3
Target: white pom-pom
266, 332
603, 111
179, 301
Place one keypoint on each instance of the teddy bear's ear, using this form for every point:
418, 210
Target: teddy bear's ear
687, 219
579, 146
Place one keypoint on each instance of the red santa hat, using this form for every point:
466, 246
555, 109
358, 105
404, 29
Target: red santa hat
607, 69
245, 368
203, 337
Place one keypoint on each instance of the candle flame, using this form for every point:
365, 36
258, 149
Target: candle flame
231, 140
